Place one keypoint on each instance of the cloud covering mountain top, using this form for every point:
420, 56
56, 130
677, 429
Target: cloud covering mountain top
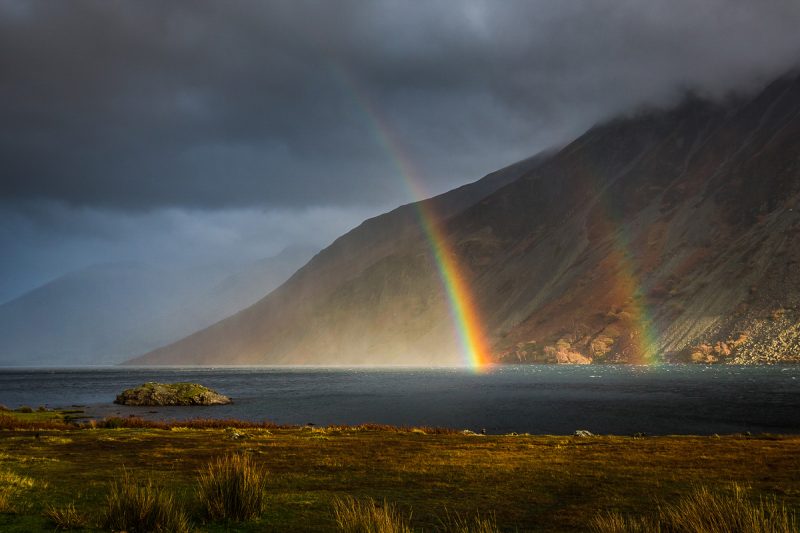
224, 109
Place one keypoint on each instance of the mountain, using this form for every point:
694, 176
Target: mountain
68, 320
110, 312
210, 302
662, 235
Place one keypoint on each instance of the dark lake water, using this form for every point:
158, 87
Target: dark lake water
668, 399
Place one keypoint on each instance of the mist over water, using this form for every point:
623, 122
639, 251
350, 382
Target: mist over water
668, 399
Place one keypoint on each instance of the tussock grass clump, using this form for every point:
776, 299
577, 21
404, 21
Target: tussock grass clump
707, 511
233, 487
54, 439
137, 507
716, 512
13, 480
112, 422
455, 523
66, 517
366, 516
613, 522
11, 486
6, 505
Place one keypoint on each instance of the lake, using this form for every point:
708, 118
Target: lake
666, 399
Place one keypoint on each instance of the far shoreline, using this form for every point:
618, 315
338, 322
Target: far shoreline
81, 417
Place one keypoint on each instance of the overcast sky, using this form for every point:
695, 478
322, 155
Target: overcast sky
201, 131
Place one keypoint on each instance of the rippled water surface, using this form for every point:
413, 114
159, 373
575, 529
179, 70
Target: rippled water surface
535, 399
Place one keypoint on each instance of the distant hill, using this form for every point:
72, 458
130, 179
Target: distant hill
662, 235
108, 313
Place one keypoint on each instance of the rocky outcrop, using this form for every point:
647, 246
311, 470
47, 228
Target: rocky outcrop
162, 394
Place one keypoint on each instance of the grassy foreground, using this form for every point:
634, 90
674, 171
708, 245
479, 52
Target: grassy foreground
524, 483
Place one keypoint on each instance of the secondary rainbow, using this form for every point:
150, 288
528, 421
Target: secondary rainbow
629, 280
645, 333
463, 310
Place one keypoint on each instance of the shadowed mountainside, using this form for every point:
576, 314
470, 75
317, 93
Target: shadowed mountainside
107, 313
661, 235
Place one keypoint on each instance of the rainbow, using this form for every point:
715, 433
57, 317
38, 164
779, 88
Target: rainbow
644, 331
629, 283
463, 310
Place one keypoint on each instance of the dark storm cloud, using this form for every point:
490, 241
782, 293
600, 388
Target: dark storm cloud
43, 240
202, 104
205, 132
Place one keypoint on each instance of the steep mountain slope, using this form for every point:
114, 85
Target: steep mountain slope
663, 235
295, 326
107, 313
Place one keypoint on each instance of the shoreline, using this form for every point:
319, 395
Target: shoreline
536, 400
77, 418
333, 367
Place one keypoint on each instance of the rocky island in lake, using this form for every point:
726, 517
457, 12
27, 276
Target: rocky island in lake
162, 394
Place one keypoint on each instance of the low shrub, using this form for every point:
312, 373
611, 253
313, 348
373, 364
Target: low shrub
113, 422
24, 409
133, 422
233, 487
10, 421
137, 507
66, 517
366, 516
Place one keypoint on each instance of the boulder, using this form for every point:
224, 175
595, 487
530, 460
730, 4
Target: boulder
161, 394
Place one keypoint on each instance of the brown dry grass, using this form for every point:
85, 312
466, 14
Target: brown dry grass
541, 483
66, 517
706, 511
133, 505
367, 516
233, 487
455, 523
